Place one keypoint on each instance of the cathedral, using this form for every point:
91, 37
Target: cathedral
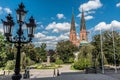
83, 33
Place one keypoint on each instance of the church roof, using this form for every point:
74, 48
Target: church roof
72, 23
83, 43
82, 26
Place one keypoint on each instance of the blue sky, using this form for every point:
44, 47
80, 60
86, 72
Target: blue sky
53, 17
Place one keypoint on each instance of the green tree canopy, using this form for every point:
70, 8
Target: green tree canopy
108, 51
65, 50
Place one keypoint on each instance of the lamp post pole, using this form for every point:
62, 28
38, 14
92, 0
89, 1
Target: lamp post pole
19, 38
113, 39
102, 55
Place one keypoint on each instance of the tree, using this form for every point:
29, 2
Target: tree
84, 57
3, 53
86, 51
65, 50
107, 39
41, 52
10, 51
59, 62
29, 50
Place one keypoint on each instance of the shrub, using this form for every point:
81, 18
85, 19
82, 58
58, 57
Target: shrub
71, 60
59, 61
10, 65
29, 61
45, 66
82, 64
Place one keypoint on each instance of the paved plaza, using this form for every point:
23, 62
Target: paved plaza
71, 77
66, 74
80, 77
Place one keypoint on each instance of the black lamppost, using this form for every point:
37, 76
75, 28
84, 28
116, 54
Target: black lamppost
19, 38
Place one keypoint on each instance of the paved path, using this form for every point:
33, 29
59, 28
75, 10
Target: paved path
79, 77
72, 77
66, 74
49, 72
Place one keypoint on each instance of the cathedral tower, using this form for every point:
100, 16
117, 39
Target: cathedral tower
83, 32
73, 36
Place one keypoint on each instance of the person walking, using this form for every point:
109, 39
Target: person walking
54, 73
58, 72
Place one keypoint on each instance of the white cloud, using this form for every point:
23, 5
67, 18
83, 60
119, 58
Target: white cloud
60, 16
63, 37
48, 38
118, 4
40, 35
103, 26
89, 8
67, 33
88, 17
57, 27
115, 24
50, 41
86, 13
90, 12
90, 5
7, 10
44, 32
55, 31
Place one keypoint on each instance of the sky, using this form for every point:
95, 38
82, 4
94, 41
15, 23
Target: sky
53, 17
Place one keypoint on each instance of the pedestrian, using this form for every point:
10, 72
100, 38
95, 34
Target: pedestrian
3, 72
54, 73
58, 72
28, 73
8, 72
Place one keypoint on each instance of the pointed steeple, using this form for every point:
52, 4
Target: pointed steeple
82, 26
73, 36
72, 21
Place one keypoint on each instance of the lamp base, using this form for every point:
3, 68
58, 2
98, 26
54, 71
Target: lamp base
16, 77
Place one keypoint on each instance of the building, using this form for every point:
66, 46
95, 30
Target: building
83, 32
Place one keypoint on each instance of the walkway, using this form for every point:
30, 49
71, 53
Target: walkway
78, 77
66, 74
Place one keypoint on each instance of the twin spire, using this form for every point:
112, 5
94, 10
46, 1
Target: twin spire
82, 26
83, 32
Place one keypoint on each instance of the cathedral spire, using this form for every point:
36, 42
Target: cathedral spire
83, 32
72, 21
82, 26
73, 36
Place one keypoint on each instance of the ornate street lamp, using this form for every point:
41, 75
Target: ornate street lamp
19, 38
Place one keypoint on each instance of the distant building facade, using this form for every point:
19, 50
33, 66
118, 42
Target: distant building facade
83, 32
